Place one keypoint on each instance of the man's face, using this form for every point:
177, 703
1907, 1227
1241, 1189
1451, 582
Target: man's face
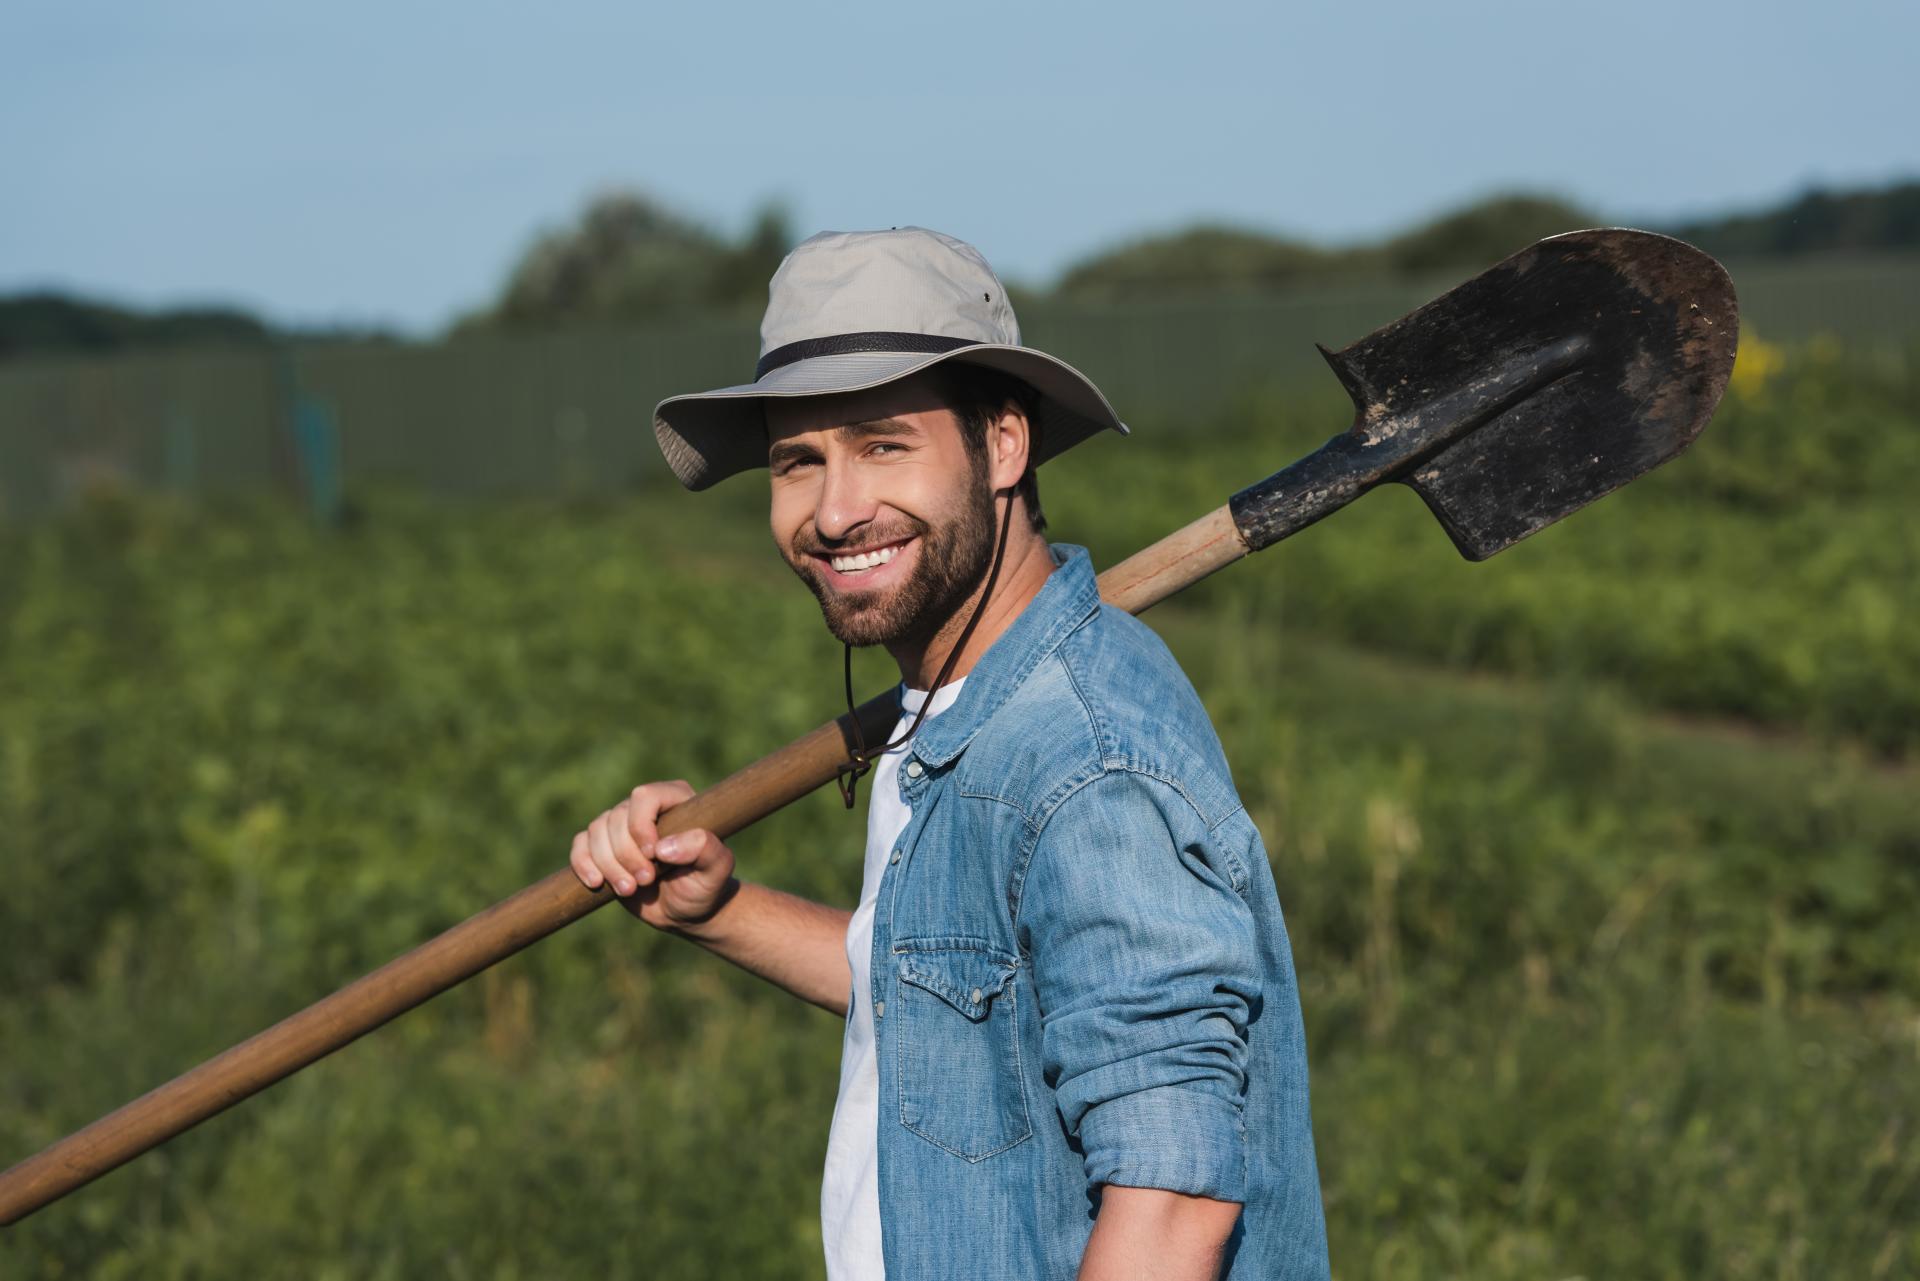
880, 508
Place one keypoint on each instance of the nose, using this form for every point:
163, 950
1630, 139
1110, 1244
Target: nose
845, 502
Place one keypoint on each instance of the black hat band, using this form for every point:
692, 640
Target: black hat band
846, 344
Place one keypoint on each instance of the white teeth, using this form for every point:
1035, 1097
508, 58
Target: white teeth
863, 561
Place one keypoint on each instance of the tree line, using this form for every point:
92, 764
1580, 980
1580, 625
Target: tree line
629, 258
46, 321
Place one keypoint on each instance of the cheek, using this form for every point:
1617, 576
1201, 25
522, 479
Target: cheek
789, 513
928, 495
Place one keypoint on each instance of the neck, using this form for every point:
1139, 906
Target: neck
1022, 574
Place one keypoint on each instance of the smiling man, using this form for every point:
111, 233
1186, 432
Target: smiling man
1073, 1042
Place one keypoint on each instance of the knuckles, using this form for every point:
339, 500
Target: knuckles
620, 835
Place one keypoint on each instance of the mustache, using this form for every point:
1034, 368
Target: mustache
807, 541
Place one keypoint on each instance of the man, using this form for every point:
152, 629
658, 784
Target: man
1073, 1041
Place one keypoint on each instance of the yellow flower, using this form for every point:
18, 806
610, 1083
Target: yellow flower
1756, 364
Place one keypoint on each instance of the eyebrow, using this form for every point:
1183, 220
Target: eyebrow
876, 427
862, 430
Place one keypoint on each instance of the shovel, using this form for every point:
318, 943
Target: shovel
1516, 399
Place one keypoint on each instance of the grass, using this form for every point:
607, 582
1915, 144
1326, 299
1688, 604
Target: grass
1593, 986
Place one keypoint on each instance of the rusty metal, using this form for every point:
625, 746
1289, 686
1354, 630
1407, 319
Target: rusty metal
1529, 391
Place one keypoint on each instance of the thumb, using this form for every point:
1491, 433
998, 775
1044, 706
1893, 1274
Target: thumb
683, 847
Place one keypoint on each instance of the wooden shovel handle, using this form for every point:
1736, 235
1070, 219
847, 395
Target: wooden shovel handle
743, 798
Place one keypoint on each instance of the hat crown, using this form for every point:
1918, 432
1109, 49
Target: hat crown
905, 280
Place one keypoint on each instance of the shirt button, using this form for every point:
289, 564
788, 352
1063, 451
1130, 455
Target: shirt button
975, 997
895, 858
879, 1009
913, 769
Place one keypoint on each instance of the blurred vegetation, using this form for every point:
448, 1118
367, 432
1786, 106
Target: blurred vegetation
1209, 259
53, 322
1817, 221
1484, 232
1766, 575
1213, 259
1217, 260
630, 258
37, 323
1593, 985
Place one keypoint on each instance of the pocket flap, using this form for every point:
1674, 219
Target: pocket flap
967, 979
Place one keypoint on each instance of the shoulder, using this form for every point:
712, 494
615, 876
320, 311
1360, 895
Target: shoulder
1111, 699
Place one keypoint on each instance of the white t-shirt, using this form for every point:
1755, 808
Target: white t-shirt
850, 1188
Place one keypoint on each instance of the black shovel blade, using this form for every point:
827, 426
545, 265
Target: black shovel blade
1648, 327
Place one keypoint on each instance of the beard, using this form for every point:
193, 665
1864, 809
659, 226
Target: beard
952, 561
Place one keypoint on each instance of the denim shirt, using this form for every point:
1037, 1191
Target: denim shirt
1080, 972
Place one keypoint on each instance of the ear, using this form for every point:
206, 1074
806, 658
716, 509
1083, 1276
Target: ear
1009, 441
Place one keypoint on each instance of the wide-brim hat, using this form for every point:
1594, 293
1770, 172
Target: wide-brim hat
849, 310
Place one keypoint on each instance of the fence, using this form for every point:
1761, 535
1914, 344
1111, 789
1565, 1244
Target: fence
570, 412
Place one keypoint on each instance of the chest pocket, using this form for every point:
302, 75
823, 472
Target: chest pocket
958, 1039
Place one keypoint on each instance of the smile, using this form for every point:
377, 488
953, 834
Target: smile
862, 562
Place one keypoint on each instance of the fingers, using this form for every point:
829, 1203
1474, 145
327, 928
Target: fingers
615, 852
643, 809
619, 847
581, 860
594, 861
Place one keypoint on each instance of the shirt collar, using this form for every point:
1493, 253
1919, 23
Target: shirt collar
1068, 597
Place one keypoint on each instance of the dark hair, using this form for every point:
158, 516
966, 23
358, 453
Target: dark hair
977, 395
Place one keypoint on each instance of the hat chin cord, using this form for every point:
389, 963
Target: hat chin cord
848, 778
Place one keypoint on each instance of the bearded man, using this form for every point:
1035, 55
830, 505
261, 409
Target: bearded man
1073, 1042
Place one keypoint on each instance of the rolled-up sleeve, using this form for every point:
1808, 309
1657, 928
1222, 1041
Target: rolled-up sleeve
1147, 972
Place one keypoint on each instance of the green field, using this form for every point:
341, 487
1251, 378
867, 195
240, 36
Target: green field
1601, 860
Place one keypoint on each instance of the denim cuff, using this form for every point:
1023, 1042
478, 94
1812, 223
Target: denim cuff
1168, 1137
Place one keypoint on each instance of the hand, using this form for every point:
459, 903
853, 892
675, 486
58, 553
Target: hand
672, 883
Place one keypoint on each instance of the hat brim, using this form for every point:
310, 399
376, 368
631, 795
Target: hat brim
711, 435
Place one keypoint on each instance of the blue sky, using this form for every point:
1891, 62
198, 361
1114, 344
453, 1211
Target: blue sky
386, 162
